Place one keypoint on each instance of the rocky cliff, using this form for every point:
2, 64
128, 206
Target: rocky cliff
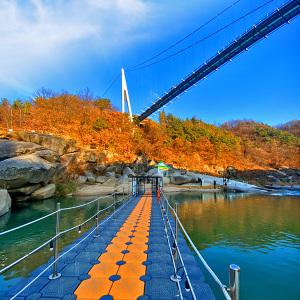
33, 165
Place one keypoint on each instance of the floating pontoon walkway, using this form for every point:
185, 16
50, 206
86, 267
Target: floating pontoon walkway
132, 258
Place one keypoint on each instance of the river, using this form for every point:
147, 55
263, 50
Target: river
260, 233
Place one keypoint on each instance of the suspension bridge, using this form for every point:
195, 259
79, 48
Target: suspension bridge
242, 43
139, 249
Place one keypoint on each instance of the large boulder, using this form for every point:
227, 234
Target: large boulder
48, 155
91, 178
26, 190
5, 202
54, 143
25, 170
101, 179
114, 169
9, 149
182, 179
127, 171
110, 174
44, 192
82, 179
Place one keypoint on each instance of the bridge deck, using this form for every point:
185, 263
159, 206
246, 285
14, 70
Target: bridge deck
129, 260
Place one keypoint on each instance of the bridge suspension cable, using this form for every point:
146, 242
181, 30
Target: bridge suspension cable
112, 82
135, 67
259, 31
207, 36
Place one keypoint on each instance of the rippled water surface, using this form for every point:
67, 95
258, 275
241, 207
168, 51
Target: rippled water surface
259, 233
18, 243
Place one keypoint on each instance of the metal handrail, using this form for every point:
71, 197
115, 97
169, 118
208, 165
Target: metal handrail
85, 204
26, 224
66, 252
57, 235
173, 260
89, 219
51, 214
27, 255
181, 259
207, 267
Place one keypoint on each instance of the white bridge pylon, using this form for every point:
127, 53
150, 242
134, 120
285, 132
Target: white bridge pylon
125, 96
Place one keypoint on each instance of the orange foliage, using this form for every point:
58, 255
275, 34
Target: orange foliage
190, 144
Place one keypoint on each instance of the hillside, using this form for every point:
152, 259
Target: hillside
292, 127
189, 144
266, 146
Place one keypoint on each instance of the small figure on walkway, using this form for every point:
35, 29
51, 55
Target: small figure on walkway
215, 184
158, 194
225, 186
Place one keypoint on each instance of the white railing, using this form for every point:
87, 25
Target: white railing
231, 292
54, 239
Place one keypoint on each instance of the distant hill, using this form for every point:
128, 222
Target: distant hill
266, 145
185, 143
291, 126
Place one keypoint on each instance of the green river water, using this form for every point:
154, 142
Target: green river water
259, 233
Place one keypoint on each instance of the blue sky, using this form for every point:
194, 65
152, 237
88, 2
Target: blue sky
74, 44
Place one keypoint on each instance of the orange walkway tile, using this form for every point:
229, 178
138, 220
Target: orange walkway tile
127, 268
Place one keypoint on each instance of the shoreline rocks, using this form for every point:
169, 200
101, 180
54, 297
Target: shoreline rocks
44, 192
31, 164
5, 202
27, 169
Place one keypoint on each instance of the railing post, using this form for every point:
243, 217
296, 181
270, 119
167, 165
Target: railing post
114, 205
97, 219
234, 282
176, 229
167, 208
55, 273
175, 277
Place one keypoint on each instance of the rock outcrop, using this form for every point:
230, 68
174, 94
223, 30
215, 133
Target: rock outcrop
101, 179
182, 179
5, 202
57, 144
44, 192
25, 169
25, 190
9, 149
91, 178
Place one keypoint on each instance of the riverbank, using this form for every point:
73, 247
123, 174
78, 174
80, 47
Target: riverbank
40, 166
98, 190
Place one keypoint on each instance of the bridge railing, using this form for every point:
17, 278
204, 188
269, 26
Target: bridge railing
53, 241
230, 292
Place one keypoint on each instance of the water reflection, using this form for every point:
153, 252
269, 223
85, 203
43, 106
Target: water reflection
238, 219
260, 233
16, 244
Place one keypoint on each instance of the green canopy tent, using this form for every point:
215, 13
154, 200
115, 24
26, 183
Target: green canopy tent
162, 168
